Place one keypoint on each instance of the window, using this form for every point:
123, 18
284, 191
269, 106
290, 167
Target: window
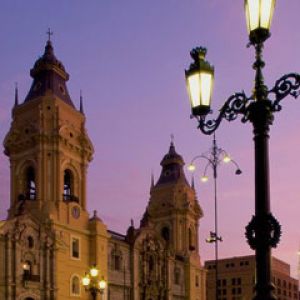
233, 281
191, 241
197, 281
75, 247
165, 233
151, 264
116, 259
30, 242
224, 282
30, 192
278, 282
75, 285
68, 185
176, 276
239, 281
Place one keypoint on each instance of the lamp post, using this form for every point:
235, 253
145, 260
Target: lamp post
92, 283
263, 232
214, 157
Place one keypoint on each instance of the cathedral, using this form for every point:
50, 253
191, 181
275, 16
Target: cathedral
48, 240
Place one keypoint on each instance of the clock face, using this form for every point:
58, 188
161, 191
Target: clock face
76, 212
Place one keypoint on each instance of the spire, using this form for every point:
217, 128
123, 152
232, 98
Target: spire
172, 147
16, 94
49, 52
81, 103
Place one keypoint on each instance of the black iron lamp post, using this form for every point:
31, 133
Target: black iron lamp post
92, 283
214, 157
263, 232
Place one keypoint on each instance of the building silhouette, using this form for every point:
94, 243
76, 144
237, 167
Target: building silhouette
49, 240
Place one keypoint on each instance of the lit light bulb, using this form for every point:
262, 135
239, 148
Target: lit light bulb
191, 167
102, 284
204, 178
86, 280
94, 271
226, 159
26, 267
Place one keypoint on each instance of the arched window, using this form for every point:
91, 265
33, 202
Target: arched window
75, 285
30, 242
30, 187
165, 233
191, 240
68, 185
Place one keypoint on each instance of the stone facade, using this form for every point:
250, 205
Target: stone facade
49, 241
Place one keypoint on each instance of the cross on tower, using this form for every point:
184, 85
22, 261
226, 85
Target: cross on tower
49, 33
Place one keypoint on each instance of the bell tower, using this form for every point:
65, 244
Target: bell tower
173, 212
173, 207
48, 146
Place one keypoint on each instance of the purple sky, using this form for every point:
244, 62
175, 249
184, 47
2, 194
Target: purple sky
129, 57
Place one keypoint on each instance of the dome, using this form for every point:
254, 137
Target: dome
172, 168
49, 76
48, 58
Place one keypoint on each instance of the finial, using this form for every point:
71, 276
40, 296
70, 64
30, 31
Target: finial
81, 103
172, 147
16, 94
198, 53
49, 33
172, 139
131, 223
152, 180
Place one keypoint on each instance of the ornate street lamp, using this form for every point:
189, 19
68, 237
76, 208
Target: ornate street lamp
259, 14
263, 232
92, 284
199, 79
214, 157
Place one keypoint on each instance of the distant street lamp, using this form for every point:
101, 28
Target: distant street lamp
92, 283
263, 232
214, 157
